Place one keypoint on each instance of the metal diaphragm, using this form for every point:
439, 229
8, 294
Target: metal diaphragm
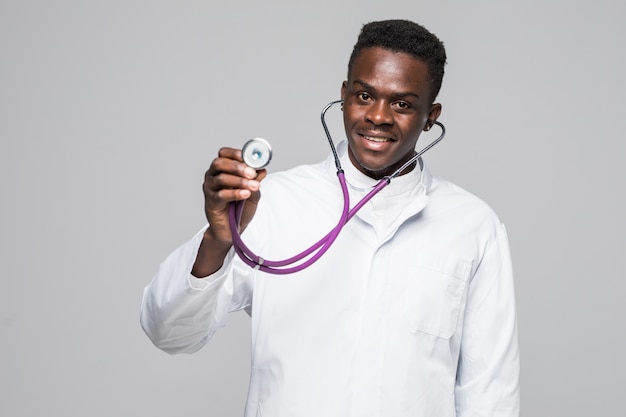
257, 153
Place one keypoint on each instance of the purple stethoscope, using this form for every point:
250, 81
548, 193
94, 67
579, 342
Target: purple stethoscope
257, 153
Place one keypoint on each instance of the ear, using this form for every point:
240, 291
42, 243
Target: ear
433, 114
344, 86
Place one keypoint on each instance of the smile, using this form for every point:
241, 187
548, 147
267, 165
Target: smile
377, 139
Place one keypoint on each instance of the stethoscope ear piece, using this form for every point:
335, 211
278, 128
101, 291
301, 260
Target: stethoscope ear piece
257, 153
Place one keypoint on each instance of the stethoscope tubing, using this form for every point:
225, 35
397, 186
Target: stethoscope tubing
276, 267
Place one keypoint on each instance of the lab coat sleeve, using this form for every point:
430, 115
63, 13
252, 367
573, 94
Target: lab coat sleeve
180, 312
488, 373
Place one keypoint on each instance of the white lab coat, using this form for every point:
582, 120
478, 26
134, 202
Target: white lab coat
410, 313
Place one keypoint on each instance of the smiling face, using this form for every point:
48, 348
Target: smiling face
387, 103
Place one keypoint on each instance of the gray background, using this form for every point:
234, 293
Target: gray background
110, 112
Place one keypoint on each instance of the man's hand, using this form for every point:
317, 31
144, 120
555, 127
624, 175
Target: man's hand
227, 179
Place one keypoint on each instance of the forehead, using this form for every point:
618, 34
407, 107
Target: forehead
390, 69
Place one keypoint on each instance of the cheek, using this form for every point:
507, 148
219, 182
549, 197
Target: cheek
350, 116
346, 119
413, 127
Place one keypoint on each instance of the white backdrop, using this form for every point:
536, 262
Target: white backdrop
110, 112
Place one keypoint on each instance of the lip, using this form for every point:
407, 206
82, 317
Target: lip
376, 141
376, 134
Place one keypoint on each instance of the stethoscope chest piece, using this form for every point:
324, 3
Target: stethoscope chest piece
257, 153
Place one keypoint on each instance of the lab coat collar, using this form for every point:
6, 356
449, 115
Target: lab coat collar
356, 179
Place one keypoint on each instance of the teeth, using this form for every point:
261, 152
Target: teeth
376, 139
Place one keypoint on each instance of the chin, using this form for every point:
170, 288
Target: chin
370, 168
374, 170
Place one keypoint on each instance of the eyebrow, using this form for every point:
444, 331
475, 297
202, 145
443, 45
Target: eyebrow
372, 88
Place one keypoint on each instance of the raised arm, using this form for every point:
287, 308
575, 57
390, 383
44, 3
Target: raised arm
195, 288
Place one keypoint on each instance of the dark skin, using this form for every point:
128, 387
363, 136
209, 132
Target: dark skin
387, 104
228, 179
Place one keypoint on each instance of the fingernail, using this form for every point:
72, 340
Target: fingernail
250, 172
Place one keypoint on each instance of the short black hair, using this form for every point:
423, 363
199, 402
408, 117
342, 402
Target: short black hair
408, 37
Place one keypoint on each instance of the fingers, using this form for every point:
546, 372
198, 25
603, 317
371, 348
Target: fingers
230, 161
230, 187
229, 178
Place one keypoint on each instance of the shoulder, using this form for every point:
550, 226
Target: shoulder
458, 205
300, 179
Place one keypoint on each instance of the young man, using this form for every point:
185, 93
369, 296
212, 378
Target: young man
410, 313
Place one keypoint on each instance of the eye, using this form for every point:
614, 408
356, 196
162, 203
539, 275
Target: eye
363, 96
402, 105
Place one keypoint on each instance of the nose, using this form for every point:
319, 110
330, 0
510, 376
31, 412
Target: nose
379, 113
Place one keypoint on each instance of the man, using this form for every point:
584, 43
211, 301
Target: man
410, 313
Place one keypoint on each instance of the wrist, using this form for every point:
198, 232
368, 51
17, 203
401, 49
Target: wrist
211, 255
214, 241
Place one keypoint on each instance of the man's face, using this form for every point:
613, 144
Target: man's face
387, 102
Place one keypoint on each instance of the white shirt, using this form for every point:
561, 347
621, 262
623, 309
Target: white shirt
410, 313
